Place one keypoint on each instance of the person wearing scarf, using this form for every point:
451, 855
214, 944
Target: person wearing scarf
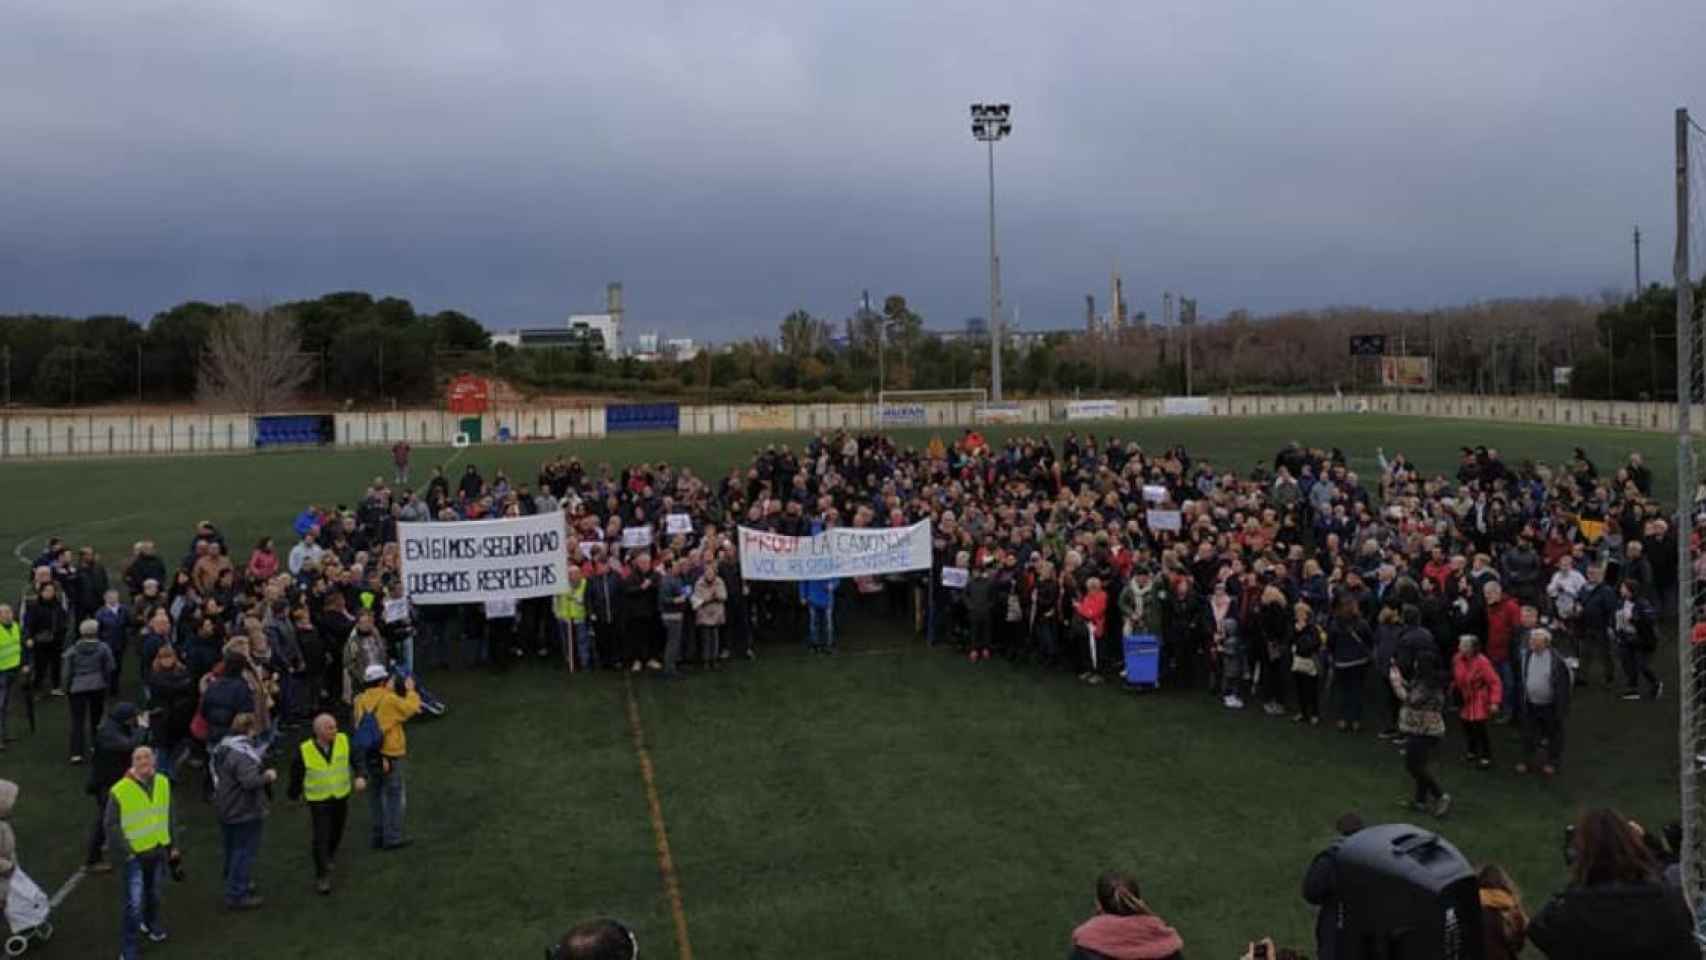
1124, 928
242, 785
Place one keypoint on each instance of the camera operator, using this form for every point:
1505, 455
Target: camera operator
391, 709
1617, 904
596, 940
1320, 889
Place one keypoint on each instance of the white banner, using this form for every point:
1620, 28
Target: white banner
1092, 409
1165, 520
1184, 406
998, 413
839, 552
481, 560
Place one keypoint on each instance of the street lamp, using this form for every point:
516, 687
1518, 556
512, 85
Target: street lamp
989, 123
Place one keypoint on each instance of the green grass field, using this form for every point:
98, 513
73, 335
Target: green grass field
893, 802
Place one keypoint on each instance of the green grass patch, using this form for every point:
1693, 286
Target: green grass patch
898, 803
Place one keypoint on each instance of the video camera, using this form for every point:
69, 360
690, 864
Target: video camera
1406, 894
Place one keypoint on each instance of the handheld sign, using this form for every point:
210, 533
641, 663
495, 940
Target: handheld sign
1165, 520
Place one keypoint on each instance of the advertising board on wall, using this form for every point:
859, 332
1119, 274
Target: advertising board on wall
1092, 409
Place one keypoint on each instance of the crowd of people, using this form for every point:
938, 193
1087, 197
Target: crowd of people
1491, 596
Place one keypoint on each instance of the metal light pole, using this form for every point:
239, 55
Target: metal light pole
989, 123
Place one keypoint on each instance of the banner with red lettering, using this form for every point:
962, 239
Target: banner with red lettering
837, 552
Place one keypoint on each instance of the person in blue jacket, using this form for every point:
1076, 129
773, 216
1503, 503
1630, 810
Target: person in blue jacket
818, 596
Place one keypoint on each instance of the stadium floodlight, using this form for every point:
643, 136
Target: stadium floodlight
991, 122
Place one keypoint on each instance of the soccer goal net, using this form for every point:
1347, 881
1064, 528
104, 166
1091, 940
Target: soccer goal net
1691, 572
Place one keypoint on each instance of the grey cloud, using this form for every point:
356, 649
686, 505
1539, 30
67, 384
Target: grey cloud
731, 161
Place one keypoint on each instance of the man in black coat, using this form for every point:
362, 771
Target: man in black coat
640, 623
124, 729
145, 565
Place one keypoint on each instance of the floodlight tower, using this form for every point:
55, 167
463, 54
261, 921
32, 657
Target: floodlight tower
989, 123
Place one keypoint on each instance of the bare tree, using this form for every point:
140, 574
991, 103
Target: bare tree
253, 361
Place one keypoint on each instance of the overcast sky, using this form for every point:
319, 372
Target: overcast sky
730, 161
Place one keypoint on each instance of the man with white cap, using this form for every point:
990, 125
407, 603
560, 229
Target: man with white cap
383, 764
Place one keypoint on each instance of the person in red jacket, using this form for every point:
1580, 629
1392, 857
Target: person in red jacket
1504, 618
1478, 688
1092, 610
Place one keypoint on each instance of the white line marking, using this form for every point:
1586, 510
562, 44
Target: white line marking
18, 549
65, 890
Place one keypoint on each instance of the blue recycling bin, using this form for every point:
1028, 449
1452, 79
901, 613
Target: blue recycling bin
1142, 659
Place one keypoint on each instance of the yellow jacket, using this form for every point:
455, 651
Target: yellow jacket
392, 712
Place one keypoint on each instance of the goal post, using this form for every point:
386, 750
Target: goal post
1691, 588
969, 394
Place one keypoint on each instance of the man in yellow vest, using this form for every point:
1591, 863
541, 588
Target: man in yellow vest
321, 775
140, 827
14, 665
570, 607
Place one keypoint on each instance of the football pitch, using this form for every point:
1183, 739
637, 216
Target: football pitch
894, 801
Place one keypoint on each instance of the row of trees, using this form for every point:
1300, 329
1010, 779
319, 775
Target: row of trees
1616, 348
352, 347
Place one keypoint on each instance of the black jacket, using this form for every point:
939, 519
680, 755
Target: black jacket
1615, 921
113, 743
222, 701
145, 567
1321, 890
640, 595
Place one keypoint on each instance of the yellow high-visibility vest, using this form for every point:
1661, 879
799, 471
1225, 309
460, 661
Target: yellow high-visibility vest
325, 779
146, 820
11, 646
571, 602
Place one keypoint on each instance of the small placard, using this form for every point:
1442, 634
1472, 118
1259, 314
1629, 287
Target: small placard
1166, 520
